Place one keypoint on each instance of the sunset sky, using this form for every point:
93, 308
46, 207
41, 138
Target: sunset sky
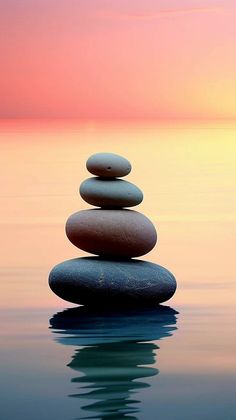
93, 59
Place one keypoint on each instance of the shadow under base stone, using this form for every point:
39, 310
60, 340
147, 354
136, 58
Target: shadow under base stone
98, 281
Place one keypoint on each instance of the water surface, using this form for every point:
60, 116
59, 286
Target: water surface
176, 362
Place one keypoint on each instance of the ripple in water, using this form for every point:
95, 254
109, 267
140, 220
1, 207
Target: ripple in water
116, 354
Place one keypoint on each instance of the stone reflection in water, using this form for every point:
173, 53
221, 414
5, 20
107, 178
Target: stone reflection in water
116, 351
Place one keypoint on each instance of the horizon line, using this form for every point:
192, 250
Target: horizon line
103, 118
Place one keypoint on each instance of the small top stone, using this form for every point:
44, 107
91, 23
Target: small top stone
108, 165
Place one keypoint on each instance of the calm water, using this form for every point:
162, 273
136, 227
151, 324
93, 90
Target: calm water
175, 362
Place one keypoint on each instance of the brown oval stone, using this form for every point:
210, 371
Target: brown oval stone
111, 233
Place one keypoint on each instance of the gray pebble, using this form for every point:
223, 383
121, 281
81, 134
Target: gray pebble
95, 281
108, 165
110, 193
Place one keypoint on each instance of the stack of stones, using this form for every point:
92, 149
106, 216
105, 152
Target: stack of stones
115, 235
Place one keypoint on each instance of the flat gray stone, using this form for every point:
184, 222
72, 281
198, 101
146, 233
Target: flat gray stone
100, 282
108, 165
110, 193
111, 233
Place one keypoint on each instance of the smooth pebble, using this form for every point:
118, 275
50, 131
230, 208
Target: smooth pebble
110, 193
95, 281
108, 165
113, 233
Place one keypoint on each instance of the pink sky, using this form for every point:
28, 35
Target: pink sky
118, 59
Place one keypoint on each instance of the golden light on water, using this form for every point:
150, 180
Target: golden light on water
186, 171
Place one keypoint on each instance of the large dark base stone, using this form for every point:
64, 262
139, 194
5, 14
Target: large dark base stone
101, 282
